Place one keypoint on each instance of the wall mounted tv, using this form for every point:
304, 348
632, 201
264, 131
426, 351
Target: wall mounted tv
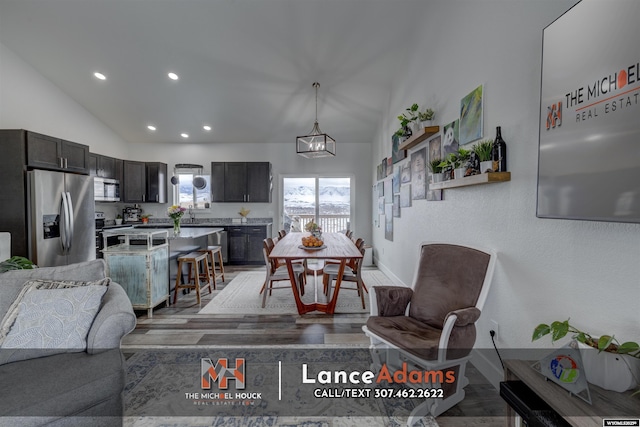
589, 151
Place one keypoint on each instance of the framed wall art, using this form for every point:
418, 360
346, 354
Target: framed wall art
450, 138
396, 153
419, 174
471, 116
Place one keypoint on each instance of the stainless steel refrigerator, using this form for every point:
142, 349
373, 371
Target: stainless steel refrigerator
61, 211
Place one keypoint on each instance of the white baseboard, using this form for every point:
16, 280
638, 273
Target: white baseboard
494, 374
396, 280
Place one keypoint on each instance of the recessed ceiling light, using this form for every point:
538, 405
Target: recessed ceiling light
184, 135
100, 76
151, 127
206, 127
173, 76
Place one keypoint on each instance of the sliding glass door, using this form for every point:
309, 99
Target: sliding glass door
325, 200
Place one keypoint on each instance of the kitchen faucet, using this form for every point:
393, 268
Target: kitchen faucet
192, 215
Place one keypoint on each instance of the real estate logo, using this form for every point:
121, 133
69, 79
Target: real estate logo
611, 93
554, 115
221, 372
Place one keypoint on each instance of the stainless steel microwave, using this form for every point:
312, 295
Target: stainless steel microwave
106, 189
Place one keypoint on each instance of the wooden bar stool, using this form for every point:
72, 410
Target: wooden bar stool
195, 261
214, 272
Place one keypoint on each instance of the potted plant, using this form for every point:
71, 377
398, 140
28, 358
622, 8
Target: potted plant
462, 157
426, 116
607, 363
118, 219
145, 218
435, 166
449, 164
408, 120
243, 213
484, 151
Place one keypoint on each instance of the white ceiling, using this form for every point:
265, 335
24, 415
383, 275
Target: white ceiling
246, 67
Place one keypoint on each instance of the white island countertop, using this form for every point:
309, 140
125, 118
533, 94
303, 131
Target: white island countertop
194, 232
185, 232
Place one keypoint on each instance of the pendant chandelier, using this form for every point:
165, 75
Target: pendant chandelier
316, 144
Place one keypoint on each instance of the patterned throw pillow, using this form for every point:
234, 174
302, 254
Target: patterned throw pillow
50, 317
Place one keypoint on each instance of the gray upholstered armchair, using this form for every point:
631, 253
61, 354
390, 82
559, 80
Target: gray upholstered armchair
431, 326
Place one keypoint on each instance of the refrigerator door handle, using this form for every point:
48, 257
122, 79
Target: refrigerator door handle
63, 223
71, 223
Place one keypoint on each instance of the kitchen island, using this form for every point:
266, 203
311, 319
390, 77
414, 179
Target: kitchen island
189, 239
144, 261
139, 262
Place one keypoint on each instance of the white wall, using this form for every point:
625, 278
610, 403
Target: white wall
547, 269
29, 101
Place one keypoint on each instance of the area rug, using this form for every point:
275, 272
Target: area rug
163, 389
242, 295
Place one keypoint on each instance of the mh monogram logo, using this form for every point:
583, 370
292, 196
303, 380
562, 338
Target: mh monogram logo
221, 372
554, 115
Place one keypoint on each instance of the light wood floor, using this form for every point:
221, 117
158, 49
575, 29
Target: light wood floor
180, 325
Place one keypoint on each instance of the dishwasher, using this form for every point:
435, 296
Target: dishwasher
220, 239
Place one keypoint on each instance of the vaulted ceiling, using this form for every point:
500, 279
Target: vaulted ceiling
245, 67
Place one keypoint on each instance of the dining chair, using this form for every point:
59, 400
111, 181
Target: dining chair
352, 273
431, 326
277, 273
279, 262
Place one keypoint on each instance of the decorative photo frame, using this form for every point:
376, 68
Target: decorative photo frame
396, 180
450, 138
435, 148
471, 116
396, 206
405, 173
397, 154
419, 174
405, 196
388, 221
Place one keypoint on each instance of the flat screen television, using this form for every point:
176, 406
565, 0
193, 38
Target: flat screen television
589, 147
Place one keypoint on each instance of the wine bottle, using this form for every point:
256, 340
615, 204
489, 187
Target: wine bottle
499, 153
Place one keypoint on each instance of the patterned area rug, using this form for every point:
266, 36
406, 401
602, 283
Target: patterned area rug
161, 385
242, 295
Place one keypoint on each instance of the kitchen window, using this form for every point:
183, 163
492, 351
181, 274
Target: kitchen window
191, 187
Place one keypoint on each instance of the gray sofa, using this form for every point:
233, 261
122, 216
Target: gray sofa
69, 389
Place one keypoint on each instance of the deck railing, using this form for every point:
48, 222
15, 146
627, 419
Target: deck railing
328, 223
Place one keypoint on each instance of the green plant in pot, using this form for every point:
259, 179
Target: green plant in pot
484, 151
407, 119
462, 157
435, 166
426, 115
607, 362
449, 164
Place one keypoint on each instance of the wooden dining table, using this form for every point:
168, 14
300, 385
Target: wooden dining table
337, 246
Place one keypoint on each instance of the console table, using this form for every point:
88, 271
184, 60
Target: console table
605, 404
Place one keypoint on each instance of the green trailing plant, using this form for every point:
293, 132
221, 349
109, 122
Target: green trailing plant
608, 343
435, 165
410, 115
16, 263
484, 150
